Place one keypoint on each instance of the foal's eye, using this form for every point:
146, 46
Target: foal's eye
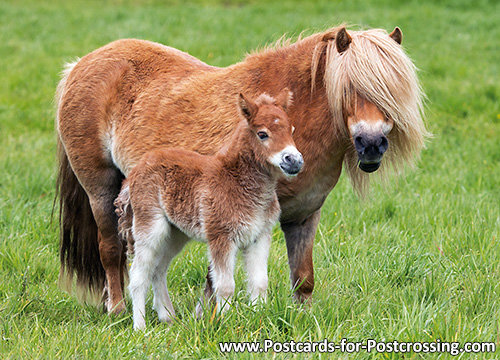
262, 135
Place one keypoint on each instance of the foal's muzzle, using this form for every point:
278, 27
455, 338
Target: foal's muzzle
291, 161
370, 149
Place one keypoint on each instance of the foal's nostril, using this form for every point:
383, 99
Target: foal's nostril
287, 158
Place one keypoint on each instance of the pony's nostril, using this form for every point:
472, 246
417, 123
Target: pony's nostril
358, 143
384, 144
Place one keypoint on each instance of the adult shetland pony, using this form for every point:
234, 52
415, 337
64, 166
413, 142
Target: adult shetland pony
357, 100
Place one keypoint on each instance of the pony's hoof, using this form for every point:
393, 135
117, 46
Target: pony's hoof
115, 309
303, 297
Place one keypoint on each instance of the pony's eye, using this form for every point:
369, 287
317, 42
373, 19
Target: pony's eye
262, 135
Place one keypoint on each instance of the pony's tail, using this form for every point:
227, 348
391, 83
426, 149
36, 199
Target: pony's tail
125, 216
79, 248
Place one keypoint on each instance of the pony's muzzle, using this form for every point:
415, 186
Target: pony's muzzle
291, 162
370, 149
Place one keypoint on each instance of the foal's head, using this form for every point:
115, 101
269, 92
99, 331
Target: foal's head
271, 132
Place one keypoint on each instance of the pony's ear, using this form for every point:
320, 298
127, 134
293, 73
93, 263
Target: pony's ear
342, 40
284, 99
397, 35
247, 107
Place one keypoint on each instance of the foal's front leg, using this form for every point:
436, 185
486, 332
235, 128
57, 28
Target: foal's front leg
222, 252
255, 256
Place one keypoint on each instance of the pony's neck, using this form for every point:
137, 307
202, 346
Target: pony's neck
291, 66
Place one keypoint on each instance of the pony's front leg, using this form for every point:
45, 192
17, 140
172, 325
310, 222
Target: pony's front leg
299, 243
222, 252
255, 257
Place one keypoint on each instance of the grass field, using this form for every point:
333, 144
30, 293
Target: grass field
418, 261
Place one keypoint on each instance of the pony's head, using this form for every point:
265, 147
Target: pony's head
374, 97
271, 131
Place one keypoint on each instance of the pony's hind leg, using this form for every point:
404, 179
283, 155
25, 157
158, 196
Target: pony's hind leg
255, 257
161, 302
111, 247
101, 181
149, 243
222, 259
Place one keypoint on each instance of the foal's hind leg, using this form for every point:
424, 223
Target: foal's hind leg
222, 259
208, 295
170, 248
150, 237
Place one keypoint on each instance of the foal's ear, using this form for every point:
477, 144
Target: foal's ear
247, 107
342, 40
284, 99
397, 35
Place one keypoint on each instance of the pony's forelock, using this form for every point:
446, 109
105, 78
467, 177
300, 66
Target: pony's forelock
376, 68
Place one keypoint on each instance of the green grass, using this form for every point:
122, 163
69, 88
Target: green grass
418, 261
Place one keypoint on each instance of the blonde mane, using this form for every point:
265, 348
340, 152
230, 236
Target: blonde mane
376, 68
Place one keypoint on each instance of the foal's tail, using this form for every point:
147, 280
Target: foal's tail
79, 248
125, 216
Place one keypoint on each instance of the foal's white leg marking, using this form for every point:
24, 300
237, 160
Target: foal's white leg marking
376, 127
255, 257
222, 275
161, 301
148, 244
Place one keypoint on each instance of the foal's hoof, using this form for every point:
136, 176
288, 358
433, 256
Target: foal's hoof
198, 311
165, 319
201, 308
164, 315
